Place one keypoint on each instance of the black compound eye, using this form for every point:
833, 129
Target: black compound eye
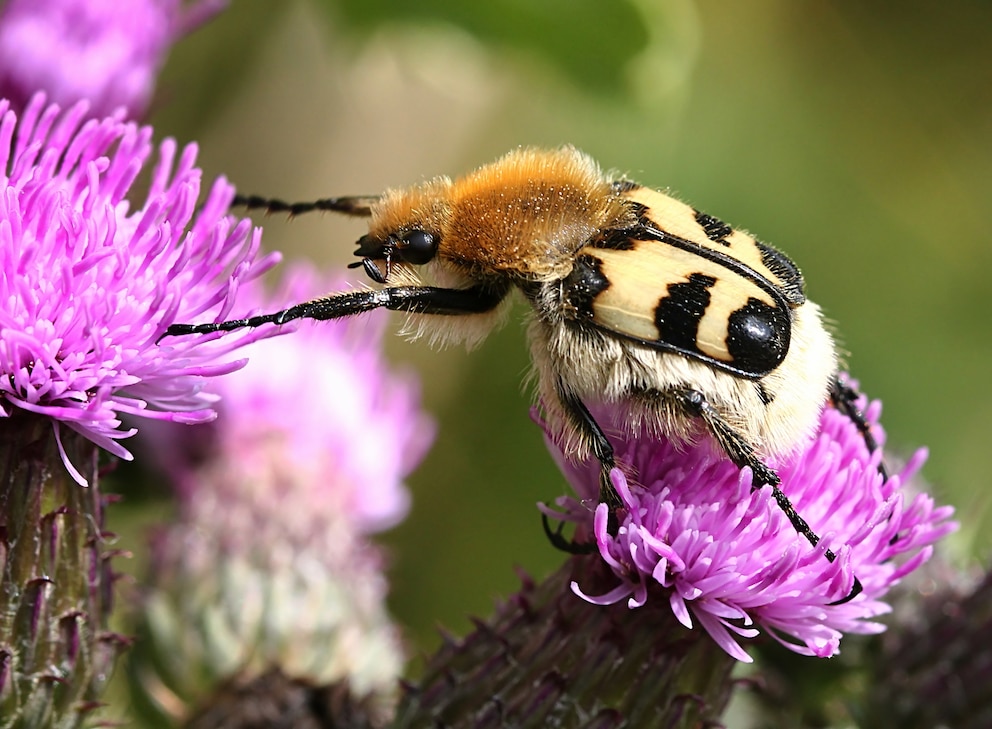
417, 247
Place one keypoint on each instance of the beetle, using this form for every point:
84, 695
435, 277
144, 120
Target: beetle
636, 298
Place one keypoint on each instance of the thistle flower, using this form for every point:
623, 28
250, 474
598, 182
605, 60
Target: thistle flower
89, 281
88, 284
696, 535
102, 51
269, 567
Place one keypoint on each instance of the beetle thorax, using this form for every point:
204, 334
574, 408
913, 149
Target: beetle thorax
522, 217
527, 214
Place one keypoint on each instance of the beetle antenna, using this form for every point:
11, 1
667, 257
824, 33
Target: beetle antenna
359, 206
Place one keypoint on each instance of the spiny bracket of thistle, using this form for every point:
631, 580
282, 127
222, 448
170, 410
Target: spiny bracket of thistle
547, 658
56, 581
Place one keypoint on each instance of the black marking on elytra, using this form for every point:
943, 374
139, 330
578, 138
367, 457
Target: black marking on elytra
758, 336
718, 256
622, 186
766, 396
588, 281
641, 211
716, 230
614, 239
678, 313
792, 285
584, 284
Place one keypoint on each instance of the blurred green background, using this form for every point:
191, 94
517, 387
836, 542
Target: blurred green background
856, 136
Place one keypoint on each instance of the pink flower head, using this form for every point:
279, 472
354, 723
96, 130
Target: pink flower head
107, 52
729, 557
317, 419
89, 280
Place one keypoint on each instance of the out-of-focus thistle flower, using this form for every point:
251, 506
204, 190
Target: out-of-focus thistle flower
936, 668
268, 568
89, 281
103, 51
696, 536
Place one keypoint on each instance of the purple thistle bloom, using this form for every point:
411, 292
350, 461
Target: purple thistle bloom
729, 557
102, 51
89, 281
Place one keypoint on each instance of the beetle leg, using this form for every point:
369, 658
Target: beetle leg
417, 299
845, 398
558, 540
585, 425
742, 453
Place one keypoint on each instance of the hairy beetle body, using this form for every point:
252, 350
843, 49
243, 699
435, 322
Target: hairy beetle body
638, 299
635, 295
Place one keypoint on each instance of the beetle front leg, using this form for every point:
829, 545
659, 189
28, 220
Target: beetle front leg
417, 299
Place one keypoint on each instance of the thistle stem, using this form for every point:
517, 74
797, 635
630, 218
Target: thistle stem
55, 578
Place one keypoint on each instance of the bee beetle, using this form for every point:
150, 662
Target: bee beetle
636, 299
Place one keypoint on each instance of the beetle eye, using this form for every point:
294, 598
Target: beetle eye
417, 247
